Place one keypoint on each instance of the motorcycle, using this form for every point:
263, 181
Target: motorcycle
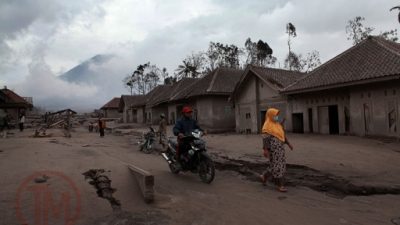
195, 159
149, 140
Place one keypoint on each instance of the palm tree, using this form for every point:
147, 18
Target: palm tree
184, 69
188, 68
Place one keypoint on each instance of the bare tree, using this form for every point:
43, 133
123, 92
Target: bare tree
128, 83
311, 62
291, 31
293, 61
303, 64
356, 31
222, 55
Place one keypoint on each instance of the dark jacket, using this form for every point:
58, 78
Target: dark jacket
185, 126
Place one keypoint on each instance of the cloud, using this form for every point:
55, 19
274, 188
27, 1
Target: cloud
46, 38
53, 93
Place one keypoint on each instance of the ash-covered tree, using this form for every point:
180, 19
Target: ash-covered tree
222, 55
357, 31
143, 79
152, 77
291, 57
139, 79
293, 61
129, 83
311, 61
303, 64
259, 53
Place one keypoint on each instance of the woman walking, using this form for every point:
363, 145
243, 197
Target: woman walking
274, 139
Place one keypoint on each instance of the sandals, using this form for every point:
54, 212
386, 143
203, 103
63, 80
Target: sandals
282, 189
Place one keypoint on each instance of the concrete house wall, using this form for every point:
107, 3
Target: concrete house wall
112, 113
362, 110
375, 109
137, 114
314, 108
252, 102
157, 111
127, 114
215, 113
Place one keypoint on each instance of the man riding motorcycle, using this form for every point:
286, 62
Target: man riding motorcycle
184, 127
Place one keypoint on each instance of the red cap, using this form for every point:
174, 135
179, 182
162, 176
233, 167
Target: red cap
187, 109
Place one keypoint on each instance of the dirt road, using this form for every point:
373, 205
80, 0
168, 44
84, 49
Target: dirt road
233, 198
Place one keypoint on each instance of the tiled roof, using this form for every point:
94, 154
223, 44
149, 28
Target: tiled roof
219, 81
278, 77
131, 100
112, 104
182, 88
159, 94
10, 97
373, 58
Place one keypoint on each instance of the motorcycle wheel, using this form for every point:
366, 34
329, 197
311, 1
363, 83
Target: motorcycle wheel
147, 148
173, 169
206, 170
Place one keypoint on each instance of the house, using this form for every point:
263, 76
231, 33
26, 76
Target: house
209, 97
356, 92
157, 103
13, 104
138, 109
257, 90
177, 98
166, 99
111, 109
125, 107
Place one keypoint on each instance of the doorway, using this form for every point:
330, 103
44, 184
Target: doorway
310, 120
298, 124
333, 119
262, 114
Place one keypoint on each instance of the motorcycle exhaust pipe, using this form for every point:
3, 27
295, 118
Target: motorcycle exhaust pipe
166, 158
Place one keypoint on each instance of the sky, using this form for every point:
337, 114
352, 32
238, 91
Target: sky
41, 39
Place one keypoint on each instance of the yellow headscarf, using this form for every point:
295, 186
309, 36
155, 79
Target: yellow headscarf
271, 126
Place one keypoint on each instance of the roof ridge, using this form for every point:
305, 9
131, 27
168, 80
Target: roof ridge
379, 41
269, 83
214, 72
280, 69
328, 62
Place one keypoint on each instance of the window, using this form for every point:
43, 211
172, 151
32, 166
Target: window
228, 110
248, 116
